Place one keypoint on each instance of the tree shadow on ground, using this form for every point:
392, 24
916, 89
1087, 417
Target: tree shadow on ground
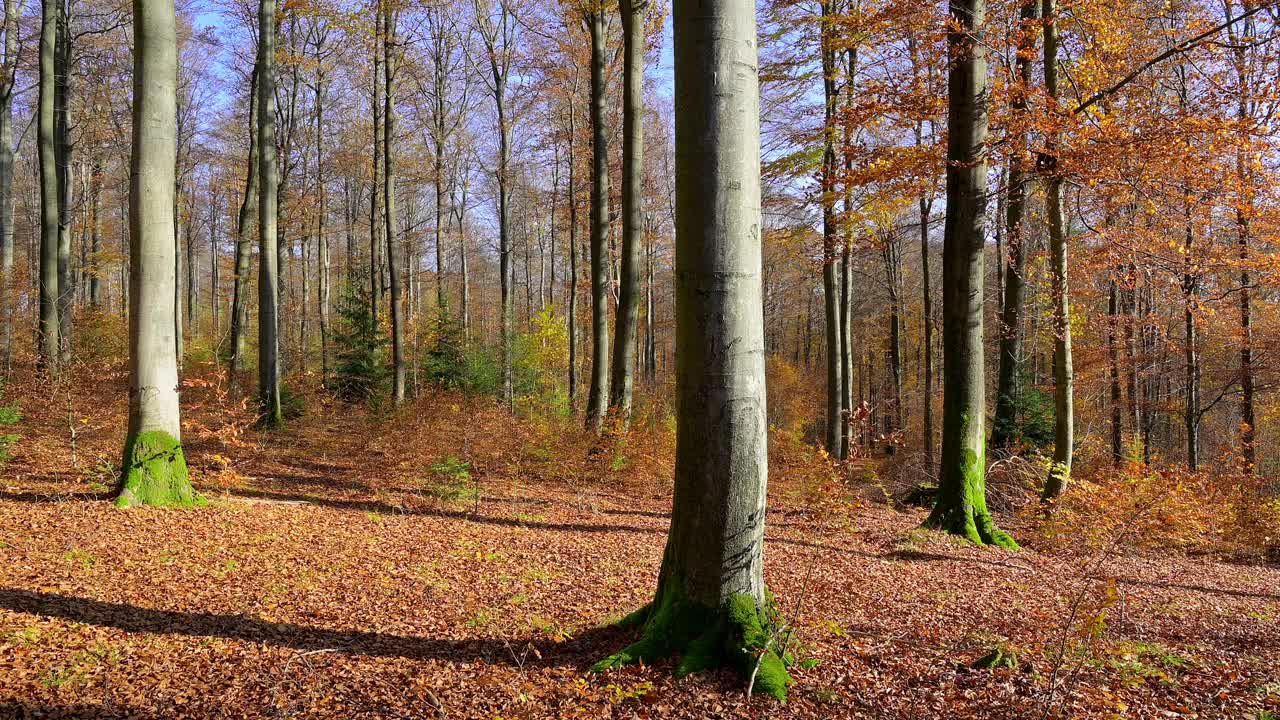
18, 710
579, 651
385, 508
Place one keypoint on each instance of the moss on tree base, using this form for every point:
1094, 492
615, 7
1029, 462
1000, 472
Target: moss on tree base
739, 634
963, 510
155, 473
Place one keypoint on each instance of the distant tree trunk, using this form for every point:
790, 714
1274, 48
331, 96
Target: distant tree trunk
710, 601
62, 164
573, 246
628, 318
927, 340
268, 186
893, 281
154, 469
214, 198
961, 505
1113, 367
49, 332
1004, 425
375, 206
1063, 371
1190, 300
8, 68
389, 22
322, 237
1246, 180
95, 233
599, 392
831, 285
240, 287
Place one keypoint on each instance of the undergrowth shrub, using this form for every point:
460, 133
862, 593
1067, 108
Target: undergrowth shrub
1168, 507
360, 371
540, 367
1032, 425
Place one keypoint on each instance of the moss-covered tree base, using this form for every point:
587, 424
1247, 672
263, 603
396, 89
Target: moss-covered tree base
739, 634
975, 526
155, 473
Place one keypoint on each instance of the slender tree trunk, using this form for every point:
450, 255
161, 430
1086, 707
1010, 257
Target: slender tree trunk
598, 396
961, 506
154, 470
268, 186
8, 69
389, 198
927, 340
628, 317
1113, 367
1063, 371
240, 286
375, 206
1247, 190
1005, 425
831, 286
62, 165
1190, 291
49, 332
573, 246
711, 597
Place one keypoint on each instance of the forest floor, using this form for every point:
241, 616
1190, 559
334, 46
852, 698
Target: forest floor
449, 561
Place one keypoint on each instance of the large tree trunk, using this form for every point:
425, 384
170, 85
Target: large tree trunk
628, 319
49, 332
710, 604
268, 186
1004, 424
831, 286
598, 395
1063, 372
154, 470
961, 506
389, 199
240, 287
1246, 180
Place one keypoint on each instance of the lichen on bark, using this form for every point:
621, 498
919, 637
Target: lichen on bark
154, 472
741, 634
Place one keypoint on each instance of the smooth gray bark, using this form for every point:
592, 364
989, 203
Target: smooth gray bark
240, 287
961, 505
154, 469
268, 186
49, 332
1063, 372
628, 316
598, 393
8, 70
1004, 425
389, 22
831, 285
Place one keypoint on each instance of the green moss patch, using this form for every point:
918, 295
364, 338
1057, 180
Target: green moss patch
740, 634
155, 473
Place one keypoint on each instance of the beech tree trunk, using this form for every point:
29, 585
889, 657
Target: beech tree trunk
268, 186
389, 199
154, 470
1063, 371
8, 68
240, 286
1005, 423
831, 286
711, 605
598, 394
961, 505
49, 332
628, 319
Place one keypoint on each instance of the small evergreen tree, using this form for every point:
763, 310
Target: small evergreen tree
358, 340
